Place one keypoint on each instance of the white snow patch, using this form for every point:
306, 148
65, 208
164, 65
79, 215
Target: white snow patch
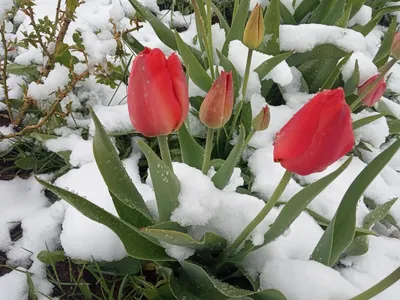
374, 133
366, 67
362, 17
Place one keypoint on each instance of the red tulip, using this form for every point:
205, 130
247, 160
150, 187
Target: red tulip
375, 94
216, 108
317, 135
395, 49
158, 100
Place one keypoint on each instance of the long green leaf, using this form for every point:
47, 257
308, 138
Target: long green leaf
116, 177
304, 9
322, 10
286, 15
394, 126
317, 71
328, 84
221, 18
384, 50
340, 232
132, 43
324, 51
207, 287
336, 11
263, 69
237, 28
195, 69
223, 175
299, 202
356, 5
272, 19
192, 153
135, 244
367, 28
344, 19
365, 121
210, 241
165, 183
378, 214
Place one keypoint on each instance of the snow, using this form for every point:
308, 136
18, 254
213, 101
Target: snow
374, 133
29, 56
14, 286
304, 37
394, 78
113, 118
5, 6
304, 280
7, 143
367, 68
58, 78
362, 17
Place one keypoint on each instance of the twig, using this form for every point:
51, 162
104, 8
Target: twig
56, 19
28, 11
5, 87
28, 102
61, 95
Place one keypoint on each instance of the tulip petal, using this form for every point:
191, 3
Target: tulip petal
179, 86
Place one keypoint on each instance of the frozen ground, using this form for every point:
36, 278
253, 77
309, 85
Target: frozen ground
282, 264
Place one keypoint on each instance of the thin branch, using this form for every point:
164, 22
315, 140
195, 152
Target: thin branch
56, 20
28, 11
5, 87
61, 95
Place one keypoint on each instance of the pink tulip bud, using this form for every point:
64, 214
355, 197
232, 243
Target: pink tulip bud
375, 94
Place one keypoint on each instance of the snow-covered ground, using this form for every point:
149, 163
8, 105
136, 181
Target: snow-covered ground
283, 264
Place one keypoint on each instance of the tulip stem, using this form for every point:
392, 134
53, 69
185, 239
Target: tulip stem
382, 71
209, 36
380, 286
164, 149
257, 220
207, 152
244, 89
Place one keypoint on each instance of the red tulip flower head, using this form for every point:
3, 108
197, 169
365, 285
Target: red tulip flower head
395, 49
158, 100
375, 94
318, 134
217, 106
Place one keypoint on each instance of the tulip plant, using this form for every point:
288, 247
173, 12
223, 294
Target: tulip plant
319, 134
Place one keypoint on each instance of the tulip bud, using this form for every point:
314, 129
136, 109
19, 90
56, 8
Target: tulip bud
216, 108
396, 46
261, 121
317, 135
254, 31
375, 94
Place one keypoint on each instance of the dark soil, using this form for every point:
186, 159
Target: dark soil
3, 270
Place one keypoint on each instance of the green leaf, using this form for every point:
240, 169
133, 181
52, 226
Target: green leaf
222, 21
117, 179
132, 43
31, 287
238, 25
228, 66
195, 69
263, 69
246, 117
165, 184
304, 9
335, 73
162, 31
169, 225
286, 15
207, 287
317, 71
344, 19
177, 289
378, 214
192, 153
272, 19
210, 241
365, 121
322, 10
394, 126
352, 83
383, 53
335, 12
26, 163
223, 175
359, 246
135, 244
127, 265
340, 232
17, 69
49, 258
324, 51
299, 202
